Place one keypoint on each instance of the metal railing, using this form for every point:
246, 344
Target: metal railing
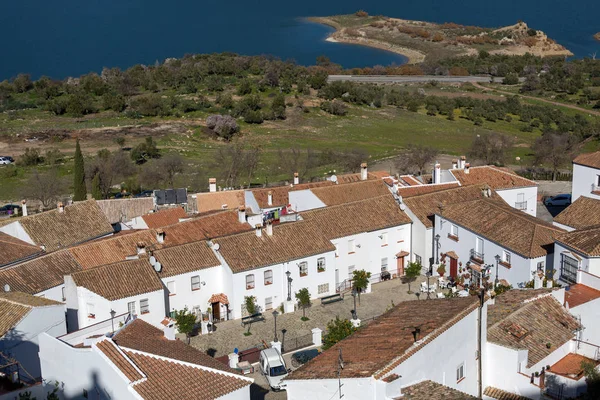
521, 205
345, 285
476, 255
299, 342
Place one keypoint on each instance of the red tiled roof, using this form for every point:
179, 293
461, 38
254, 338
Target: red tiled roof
429, 390
410, 191
164, 217
411, 180
189, 257
280, 194
202, 228
582, 214
339, 194
13, 249
226, 199
499, 394
587, 240
588, 159
109, 349
219, 298
570, 366
579, 294
496, 178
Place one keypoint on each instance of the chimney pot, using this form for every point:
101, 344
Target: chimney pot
212, 184
467, 167
269, 227
258, 230
454, 164
61, 207
437, 173
242, 214
160, 236
296, 178
270, 198
24, 207
363, 172
141, 248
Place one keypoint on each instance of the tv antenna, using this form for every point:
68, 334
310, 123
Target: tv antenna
340, 367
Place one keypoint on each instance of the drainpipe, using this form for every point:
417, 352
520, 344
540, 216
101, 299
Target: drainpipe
479, 339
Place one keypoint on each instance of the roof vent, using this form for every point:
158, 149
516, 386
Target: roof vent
7, 288
216, 246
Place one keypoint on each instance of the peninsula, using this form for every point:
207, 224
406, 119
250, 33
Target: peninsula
420, 41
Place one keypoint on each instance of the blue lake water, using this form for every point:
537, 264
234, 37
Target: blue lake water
69, 37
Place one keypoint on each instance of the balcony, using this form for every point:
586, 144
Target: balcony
595, 189
477, 256
521, 205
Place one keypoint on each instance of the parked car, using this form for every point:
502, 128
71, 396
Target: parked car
302, 357
272, 366
6, 160
10, 209
559, 200
145, 193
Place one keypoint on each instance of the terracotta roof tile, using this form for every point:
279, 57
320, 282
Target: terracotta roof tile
339, 194
499, 394
588, 159
583, 213
429, 390
411, 180
78, 223
496, 178
531, 325
579, 294
12, 249
40, 274
123, 210
176, 260
281, 193
109, 349
510, 301
360, 216
355, 177
587, 240
120, 280
289, 241
388, 341
570, 366
26, 299
211, 201
379, 174
219, 298
10, 315
410, 191
515, 230
165, 217
206, 227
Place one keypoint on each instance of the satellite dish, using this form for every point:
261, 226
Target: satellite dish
7, 288
217, 246
400, 198
402, 207
333, 178
152, 260
157, 267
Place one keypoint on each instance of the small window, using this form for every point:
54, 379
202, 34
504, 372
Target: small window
337, 249
195, 280
249, 282
506, 257
171, 288
91, 310
351, 246
350, 271
64, 297
540, 266
268, 303
384, 239
323, 289
269, 277
454, 231
321, 264
144, 306
85, 394
131, 308
303, 267
460, 372
418, 259
384, 264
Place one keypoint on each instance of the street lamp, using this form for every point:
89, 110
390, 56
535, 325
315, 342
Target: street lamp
497, 261
275, 314
289, 280
437, 248
112, 316
354, 314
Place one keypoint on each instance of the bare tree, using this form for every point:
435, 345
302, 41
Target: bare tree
171, 165
295, 159
415, 158
46, 187
555, 150
351, 160
237, 162
111, 168
491, 148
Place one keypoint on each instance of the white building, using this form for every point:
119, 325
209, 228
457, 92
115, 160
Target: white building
415, 342
158, 219
23, 318
582, 213
476, 235
125, 287
586, 176
138, 362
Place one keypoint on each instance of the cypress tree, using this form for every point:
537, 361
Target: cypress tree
79, 176
96, 191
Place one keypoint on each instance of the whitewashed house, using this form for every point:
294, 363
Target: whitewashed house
372, 234
586, 176
428, 345
125, 287
487, 239
158, 219
259, 262
138, 362
23, 318
581, 214
584, 303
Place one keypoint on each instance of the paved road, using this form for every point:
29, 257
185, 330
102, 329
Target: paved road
406, 78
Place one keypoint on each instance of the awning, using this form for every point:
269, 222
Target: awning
452, 254
219, 298
402, 254
475, 267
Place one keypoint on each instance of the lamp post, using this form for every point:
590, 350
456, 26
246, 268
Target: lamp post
354, 314
437, 248
497, 261
289, 281
275, 314
112, 317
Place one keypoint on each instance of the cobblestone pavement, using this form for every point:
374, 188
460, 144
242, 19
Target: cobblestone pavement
230, 334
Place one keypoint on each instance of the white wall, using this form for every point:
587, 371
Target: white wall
137, 223
55, 293
327, 389
565, 227
186, 297
511, 196
240, 394
590, 319
422, 240
16, 230
251, 202
303, 200
583, 179
21, 342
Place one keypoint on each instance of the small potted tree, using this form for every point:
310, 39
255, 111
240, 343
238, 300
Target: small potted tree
441, 269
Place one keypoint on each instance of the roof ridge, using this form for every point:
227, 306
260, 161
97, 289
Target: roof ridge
524, 304
127, 358
460, 187
390, 195
160, 249
17, 303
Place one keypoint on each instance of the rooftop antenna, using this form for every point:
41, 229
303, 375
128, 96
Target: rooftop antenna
339, 372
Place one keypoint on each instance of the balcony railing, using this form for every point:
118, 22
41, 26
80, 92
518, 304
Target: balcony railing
476, 256
521, 205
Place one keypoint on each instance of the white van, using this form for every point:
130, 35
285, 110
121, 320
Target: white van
272, 366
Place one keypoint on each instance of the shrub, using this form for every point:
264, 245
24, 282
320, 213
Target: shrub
361, 14
253, 117
334, 107
223, 125
510, 79
31, 157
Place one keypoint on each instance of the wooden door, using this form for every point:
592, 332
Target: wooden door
400, 265
453, 267
216, 309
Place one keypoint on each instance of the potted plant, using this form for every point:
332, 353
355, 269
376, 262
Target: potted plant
548, 345
441, 269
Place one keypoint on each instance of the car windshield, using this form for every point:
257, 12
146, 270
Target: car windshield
278, 371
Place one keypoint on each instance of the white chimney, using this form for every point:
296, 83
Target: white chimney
234, 359
270, 198
212, 184
363, 172
296, 178
168, 328
467, 167
437, 173
461, 162
258, 230
141, 248
242, 214
160, 236
454, 164
61, 207
24, 207
269, 227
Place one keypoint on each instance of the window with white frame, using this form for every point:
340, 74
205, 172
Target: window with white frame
144, 306
303, 268
91, 310
351, 246
268, 303
384, 264
249, 281
540, 266
322, 289
321, 264
268, 277
460, 372
131, 308
350, 271
454, 231
418, 259
171, 288
384, 239
195, 281
568, 269
505, 257
400, 233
